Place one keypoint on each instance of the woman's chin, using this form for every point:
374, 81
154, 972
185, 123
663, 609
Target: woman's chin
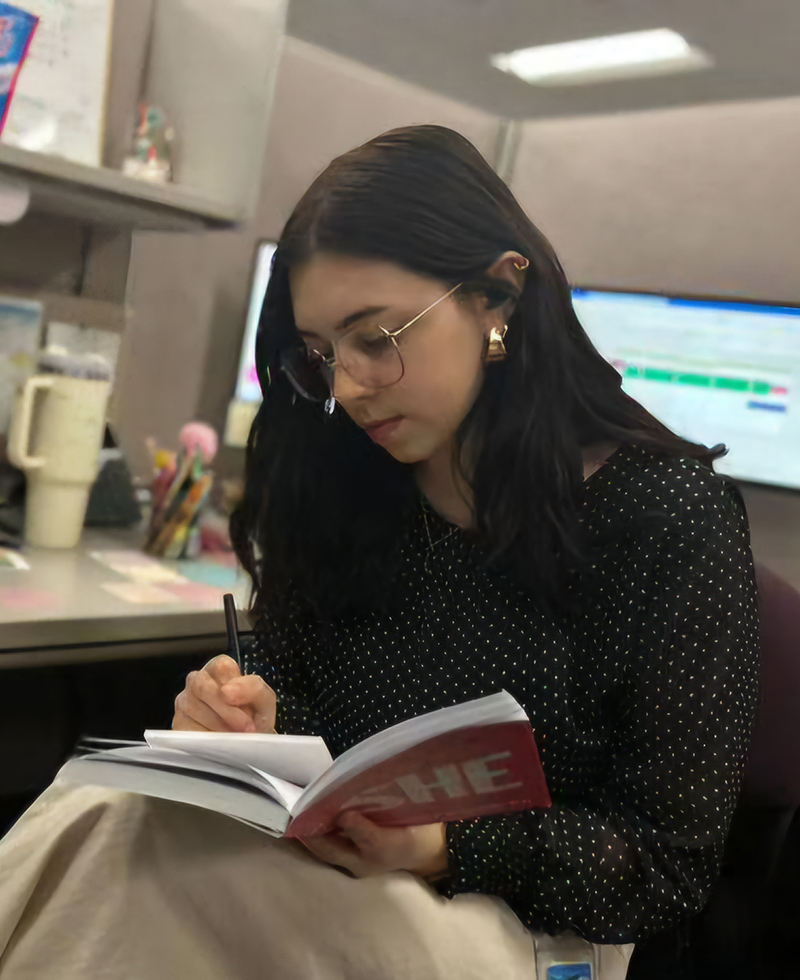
409, 452
405, 454
411, 444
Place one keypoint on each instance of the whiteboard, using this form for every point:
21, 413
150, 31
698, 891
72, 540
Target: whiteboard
59, 104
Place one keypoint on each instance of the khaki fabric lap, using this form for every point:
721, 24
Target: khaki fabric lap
102, 885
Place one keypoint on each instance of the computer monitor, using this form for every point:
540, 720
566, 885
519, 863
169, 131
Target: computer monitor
247, 398
712, 371
247, 387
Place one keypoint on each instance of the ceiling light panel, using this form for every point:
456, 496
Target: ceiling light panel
599, 59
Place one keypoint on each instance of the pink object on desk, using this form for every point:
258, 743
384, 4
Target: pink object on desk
199, 436
13, 597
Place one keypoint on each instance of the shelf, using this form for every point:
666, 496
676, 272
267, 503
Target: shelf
65, 308
97, 313
102, 196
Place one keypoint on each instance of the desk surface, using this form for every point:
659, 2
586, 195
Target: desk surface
64, 608
59, 610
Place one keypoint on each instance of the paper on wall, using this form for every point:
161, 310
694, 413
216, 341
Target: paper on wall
60, 99
20, 328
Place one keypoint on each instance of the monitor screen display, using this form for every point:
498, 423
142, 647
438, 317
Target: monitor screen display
711, 371
247, 387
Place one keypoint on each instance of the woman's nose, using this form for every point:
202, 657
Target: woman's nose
346, 389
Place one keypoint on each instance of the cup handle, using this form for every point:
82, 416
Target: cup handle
20, 434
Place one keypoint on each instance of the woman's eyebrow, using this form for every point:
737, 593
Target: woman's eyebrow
367, 311
348, 320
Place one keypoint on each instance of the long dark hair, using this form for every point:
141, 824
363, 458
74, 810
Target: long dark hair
325, 510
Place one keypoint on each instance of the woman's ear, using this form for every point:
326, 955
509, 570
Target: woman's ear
510, 267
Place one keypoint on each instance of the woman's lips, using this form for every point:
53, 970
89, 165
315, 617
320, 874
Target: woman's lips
381, 432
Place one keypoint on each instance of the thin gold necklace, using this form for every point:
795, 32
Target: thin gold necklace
431, 543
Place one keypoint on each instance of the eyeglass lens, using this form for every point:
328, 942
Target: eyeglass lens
308, 373
368, 355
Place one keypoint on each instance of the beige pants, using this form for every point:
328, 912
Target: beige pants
101, 885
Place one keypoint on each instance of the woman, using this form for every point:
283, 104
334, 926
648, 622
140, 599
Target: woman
447, 494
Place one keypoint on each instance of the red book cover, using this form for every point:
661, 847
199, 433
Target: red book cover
458, 775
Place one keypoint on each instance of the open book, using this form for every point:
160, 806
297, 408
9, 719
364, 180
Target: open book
457, 763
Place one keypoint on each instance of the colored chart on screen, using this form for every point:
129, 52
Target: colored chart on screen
711, 371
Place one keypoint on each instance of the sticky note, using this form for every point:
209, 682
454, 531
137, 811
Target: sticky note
18, 598
12, 559
134, 565
209, 573
139, 592
195, 592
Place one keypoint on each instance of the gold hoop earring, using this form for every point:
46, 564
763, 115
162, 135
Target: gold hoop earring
496, 351
522, 264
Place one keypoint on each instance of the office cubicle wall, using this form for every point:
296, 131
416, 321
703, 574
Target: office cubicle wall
699, 200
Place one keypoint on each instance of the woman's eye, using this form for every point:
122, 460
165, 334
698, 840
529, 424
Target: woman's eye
373, 343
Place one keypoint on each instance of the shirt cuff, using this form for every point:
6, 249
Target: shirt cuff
495, 855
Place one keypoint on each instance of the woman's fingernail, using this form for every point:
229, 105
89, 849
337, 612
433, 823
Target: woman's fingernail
249, 727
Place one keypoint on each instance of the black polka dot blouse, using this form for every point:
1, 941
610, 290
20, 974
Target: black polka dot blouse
642, 702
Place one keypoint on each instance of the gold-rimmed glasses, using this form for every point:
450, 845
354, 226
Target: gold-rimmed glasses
369, 353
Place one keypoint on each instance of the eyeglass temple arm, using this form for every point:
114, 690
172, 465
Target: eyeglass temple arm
441, 299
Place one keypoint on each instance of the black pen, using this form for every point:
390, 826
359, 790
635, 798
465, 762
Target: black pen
232, 626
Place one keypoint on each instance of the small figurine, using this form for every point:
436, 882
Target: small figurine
152, 159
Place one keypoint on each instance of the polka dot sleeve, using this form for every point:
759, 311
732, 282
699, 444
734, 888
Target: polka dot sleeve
626, 855
276, 653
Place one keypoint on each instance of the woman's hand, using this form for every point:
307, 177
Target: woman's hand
219, 699
364, 848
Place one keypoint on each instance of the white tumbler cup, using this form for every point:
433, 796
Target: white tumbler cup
55, 439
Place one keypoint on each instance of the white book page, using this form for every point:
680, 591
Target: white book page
286, 793
298, 759
492, 710
250, 805
173, 759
